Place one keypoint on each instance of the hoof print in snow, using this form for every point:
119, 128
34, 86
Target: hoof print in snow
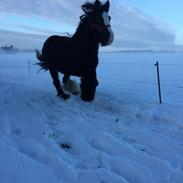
99, 167
65, 146
54, 136
17, 132
117, 120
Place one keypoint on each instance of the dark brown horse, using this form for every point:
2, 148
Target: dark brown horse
78, 55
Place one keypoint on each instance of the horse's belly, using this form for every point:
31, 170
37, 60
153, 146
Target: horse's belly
71, 67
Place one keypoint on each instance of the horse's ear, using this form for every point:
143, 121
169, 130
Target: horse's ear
97, 2
106, 6
87, 7
97, 6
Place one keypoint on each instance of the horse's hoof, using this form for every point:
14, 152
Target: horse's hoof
85, 99
75, 92
65, 96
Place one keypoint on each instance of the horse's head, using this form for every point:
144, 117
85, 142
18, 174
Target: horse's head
99, 21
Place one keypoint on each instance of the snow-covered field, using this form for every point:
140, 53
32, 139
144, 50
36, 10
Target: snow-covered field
124, 136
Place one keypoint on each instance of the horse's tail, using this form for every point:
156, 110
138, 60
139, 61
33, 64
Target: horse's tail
41, 62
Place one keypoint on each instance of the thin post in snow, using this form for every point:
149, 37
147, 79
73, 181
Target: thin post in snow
159, 83
29, 66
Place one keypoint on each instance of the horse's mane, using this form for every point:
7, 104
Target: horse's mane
88, 8
82, 25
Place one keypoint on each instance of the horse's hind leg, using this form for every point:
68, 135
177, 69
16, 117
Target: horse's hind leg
56, 82
65, 78
70, 85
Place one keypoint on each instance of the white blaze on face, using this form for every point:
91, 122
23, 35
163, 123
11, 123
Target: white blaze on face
107, 22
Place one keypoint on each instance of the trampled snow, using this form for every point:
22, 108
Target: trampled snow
124, 136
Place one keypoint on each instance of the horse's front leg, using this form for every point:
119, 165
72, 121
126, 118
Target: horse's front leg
56, 82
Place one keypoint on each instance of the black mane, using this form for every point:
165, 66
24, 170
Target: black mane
81, 27
84, 32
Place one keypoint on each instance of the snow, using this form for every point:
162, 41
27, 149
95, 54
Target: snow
124, 136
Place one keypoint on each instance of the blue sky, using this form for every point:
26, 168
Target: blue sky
138, 24
168, 11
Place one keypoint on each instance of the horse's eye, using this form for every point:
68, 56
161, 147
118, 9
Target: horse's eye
109, 17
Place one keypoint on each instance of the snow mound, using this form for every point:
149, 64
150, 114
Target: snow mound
115, 139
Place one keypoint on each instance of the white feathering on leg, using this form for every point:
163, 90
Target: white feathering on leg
72, 86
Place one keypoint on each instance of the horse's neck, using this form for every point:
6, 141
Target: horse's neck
85, 37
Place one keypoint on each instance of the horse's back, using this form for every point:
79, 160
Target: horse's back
55, 45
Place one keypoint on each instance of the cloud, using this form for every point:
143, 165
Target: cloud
54, 9
21, 40
133, 29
